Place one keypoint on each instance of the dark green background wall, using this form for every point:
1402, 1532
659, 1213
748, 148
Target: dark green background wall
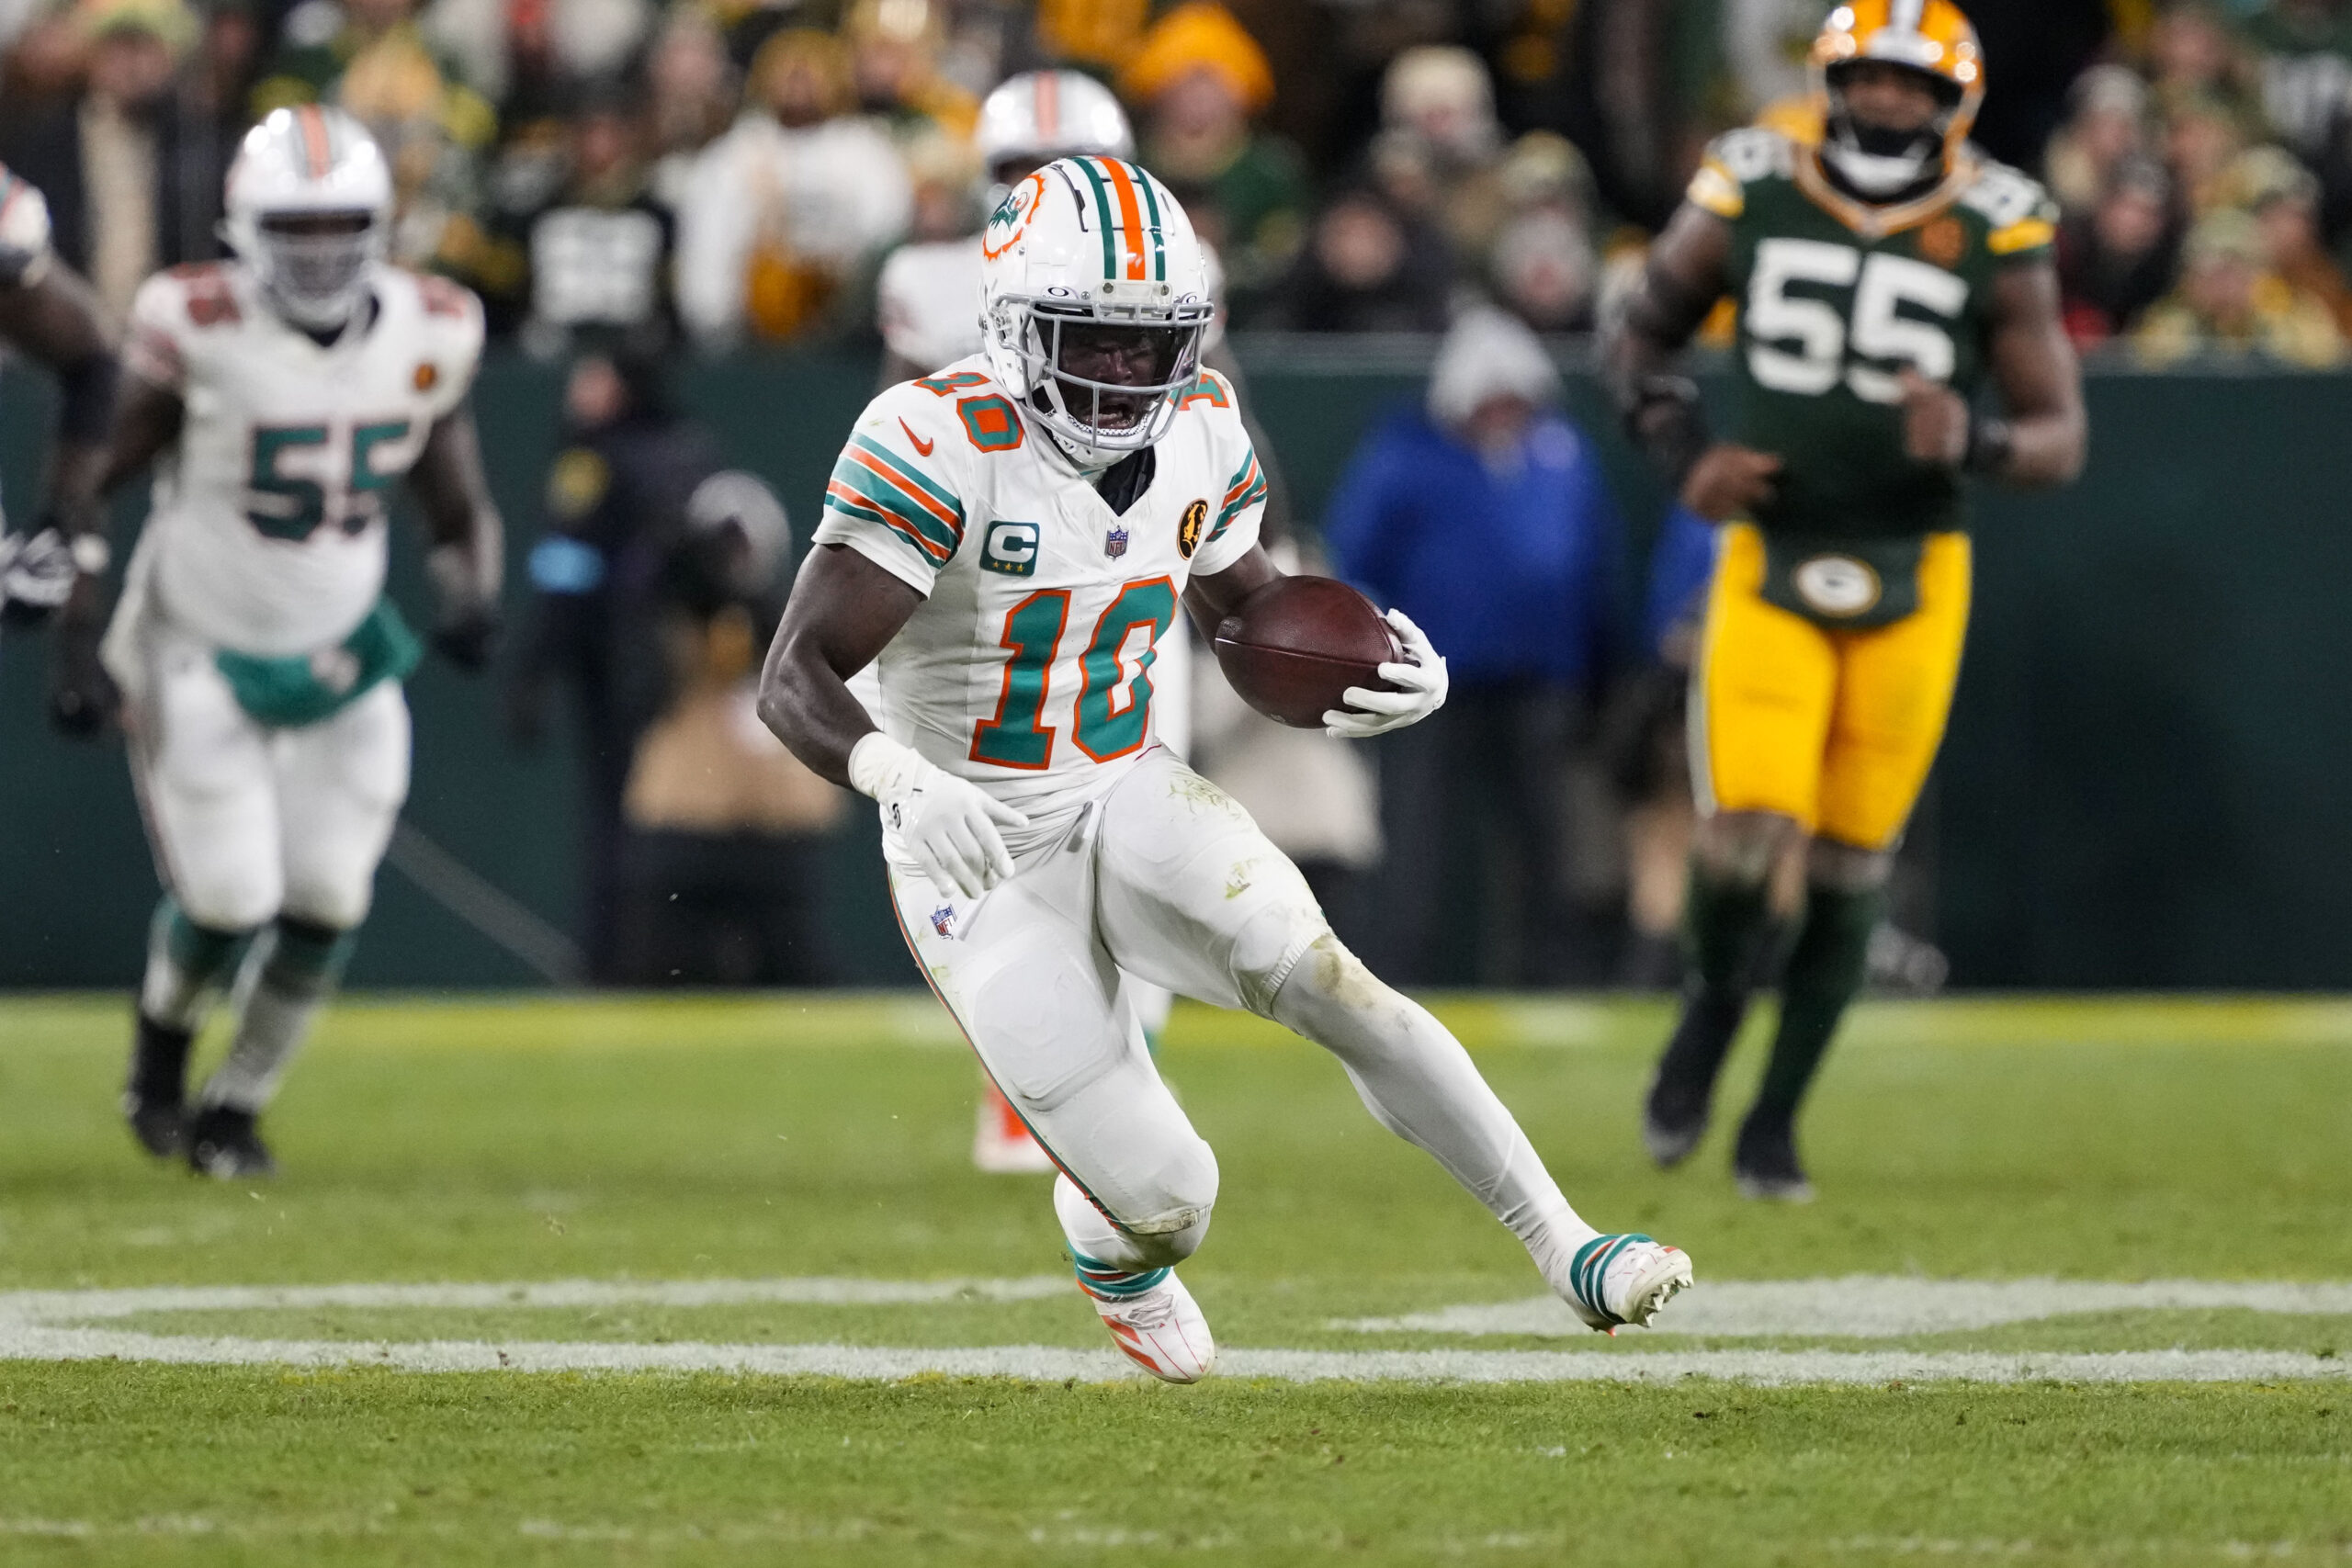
2147, 780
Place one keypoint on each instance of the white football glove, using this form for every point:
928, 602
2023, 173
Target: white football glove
37, 570
1421, 690
952, 827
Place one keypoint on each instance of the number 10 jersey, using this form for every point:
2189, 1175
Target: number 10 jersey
1027, 668
267, 531
1836, 298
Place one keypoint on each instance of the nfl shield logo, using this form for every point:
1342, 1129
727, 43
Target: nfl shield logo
943, 920
1114, 543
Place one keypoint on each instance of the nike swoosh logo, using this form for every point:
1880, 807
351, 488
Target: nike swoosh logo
922, 447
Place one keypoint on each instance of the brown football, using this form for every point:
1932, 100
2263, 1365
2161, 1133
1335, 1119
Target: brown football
1297, 644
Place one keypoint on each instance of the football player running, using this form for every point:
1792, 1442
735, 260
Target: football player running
928, 301
257, 661
1008, 542
49, 315
1881, 275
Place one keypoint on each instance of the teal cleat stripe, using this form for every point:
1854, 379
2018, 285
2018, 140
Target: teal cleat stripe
1590, 1268
1100, 1279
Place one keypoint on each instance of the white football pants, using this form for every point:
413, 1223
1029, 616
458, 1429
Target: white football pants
250, 821
1165, 877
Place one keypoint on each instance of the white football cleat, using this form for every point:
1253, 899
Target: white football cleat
1001, 1142
1623, 1278
1160, 1328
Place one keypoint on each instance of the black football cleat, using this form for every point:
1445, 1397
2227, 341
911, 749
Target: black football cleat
1675, 1116
154, 1099
1764, 1162
223, 1143
156, 1123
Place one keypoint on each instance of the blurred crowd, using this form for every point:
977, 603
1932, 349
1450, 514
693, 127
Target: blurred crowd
623, 181
732, 171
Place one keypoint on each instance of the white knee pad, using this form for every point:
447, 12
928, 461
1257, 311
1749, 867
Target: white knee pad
1267, 949
1175, 1235
333, 895
225, 891
340, 785
1326, 974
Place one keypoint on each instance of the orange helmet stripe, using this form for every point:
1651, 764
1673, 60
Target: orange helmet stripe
316, 145
1130, 216
1049, 107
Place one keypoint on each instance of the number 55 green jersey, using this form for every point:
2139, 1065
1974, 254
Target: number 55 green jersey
1835, 298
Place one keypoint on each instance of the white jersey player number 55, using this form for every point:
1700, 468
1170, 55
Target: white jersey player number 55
284, 502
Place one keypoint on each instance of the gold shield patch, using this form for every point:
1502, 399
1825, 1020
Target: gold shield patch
1942, 240
1188, 531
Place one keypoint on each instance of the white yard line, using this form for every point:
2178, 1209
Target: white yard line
83, 1306
1039, 1363
1876, 1306
56, 1325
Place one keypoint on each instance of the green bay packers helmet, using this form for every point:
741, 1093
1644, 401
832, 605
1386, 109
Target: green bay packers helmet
1931, 39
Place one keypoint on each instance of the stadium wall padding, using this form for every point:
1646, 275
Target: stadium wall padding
2148, 781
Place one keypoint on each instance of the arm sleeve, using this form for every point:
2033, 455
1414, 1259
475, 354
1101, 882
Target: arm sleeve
1240, 508
887, 503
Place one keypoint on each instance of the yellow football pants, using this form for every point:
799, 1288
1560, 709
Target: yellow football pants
1835, 728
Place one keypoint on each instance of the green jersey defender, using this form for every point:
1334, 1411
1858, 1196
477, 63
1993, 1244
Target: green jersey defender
1833, 302
1880, 273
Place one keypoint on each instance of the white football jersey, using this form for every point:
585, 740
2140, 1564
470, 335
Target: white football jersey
928, 300
1028, 667
267, 533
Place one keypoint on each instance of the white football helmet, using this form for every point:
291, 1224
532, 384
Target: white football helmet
1094, 300
1039, 116
310, 210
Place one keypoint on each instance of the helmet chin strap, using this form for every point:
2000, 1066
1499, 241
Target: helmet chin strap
1877, 162
1090, 462
1875, 174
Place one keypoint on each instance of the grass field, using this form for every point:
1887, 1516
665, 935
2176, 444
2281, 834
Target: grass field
1396, 1394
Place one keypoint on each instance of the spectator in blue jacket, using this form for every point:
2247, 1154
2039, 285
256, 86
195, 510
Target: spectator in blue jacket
1482, 516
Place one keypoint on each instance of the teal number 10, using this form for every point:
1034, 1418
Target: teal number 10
1114, 709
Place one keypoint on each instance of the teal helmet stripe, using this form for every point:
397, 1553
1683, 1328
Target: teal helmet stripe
1102, 208
1158, 243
